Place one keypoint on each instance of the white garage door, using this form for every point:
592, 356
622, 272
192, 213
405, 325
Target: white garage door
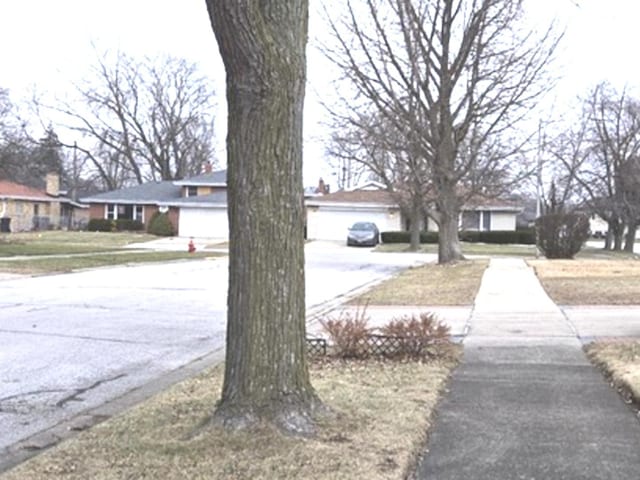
203, 222
328, 224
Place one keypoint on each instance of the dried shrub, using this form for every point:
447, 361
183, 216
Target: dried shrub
419, 335
562, 235
348, 333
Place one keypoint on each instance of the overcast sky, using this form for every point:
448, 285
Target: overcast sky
48, 44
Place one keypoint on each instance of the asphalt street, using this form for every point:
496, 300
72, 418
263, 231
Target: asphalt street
70, 343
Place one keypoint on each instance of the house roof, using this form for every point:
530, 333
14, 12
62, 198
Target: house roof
382, 197
212, 200
168, 192
211, 179
146, 193
493, 204
22, 192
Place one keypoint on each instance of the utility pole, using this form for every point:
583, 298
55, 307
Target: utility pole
539, 184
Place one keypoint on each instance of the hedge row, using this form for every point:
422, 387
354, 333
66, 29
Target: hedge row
119, 225
523, 237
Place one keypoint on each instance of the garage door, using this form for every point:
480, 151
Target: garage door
326, 224
203, 222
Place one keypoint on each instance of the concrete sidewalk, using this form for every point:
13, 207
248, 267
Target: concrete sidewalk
525, 403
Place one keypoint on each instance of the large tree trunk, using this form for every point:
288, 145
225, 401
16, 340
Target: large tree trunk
630, 239
608, 240
616, 227
266, 376
449, 249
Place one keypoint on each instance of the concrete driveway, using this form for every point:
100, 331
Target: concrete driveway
71, 344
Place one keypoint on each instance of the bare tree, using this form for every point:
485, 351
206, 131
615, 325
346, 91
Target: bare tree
605, 162
153, 118
266, 376
372, 144
454, 77
24, 158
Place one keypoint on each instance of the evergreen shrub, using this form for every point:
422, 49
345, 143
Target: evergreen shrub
160, 225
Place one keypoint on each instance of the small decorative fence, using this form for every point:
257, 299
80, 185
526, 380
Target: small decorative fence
376, 345
316, 347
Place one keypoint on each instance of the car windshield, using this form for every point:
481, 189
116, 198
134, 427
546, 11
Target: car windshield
363, 226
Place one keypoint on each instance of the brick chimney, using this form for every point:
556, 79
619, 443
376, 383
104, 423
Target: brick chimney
207, 167
52, 184
322, 188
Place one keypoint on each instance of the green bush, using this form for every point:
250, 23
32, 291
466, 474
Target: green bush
160, 225
119, 225
127, 225
562, 235
405, 237
526, 237
101, 225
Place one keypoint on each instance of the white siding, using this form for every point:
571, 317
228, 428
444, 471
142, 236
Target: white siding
332, 223
499, 221
203, 222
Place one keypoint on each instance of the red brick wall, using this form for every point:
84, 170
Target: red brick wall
174, 217
149, 211
96, 210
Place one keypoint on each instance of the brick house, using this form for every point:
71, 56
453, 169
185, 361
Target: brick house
24, 208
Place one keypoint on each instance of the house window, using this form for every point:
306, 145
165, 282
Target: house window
128, 212
470, 220
192, 191
36, 209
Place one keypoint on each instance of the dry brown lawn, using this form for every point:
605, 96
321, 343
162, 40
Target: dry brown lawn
382, 415
620, 360
590, 282
431, 284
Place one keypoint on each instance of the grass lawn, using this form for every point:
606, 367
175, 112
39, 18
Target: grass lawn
58, 251
382, 412
483, 249
60, 242
588, 281
620, 361
429, 284
43, 265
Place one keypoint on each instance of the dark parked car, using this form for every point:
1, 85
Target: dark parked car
363, 233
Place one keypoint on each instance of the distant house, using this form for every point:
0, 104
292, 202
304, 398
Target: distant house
24, 208
196, 206
329, 216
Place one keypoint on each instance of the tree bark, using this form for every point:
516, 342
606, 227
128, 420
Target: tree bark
449, 249
617, 228
630, 239
266, 375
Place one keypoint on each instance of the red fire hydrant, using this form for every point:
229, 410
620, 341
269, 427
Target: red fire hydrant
191, 247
